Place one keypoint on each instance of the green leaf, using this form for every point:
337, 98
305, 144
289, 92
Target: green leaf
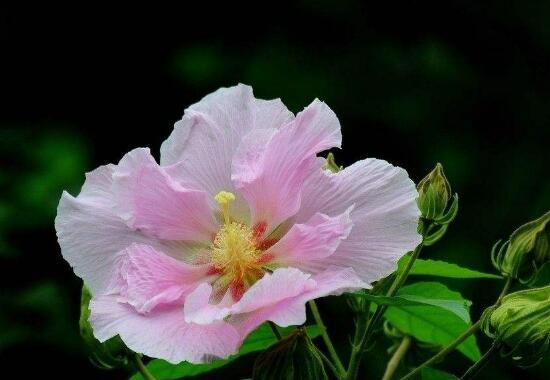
443, 269
459, 307
258, 340
433, 324
435, 374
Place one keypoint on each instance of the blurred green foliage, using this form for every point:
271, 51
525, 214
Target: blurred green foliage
469, 88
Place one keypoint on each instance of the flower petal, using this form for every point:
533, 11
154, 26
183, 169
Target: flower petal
200, 149
292, 310
147, 278
151, 201
385, 216
270, 289
162, 334
318, 238
90, 234
270, 167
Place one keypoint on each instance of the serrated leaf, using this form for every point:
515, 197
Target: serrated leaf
435, 374
432, 324
443, 269
258, 340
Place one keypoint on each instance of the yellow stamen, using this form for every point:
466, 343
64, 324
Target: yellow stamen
224, 198
235, 251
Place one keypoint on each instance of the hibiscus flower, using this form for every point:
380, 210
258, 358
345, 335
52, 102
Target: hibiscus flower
241, 223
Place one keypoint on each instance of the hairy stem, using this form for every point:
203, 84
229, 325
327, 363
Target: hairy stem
142, 368
326, 338
481, 363
398, 355
450, 348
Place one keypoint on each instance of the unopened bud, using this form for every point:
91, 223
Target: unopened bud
521, 321
434, 192
528, 248
294, 357
331, 164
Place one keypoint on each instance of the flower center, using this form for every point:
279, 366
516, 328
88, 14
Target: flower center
237, 252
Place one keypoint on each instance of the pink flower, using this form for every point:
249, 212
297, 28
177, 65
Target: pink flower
238, 225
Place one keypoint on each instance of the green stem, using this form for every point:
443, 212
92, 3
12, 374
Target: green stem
329, 364
275, 330
398, 355
449, 348
481, 363
363, 334
326, 338
142, 368
446, 351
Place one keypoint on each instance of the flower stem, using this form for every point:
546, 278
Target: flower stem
444, 352
329, 364
449, 348
142, 368
481, 363
275, 330
326, 338
398, 355
365, 329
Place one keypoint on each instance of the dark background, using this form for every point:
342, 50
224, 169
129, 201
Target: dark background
462, 83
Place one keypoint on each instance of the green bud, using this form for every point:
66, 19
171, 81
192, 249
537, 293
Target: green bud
294, 357
528, 247
521, 321
434, 193
110, 354
331, 164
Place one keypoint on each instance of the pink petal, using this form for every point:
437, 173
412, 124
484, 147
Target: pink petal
385, 216
198, 308
162, 334
201, 147
318, 238
291, 310
270, 166
147, 278
90, 234
151, 201
270, 289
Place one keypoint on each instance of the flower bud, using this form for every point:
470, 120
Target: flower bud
110, 354
434, 192
528, 246
294, 357
331, 164
521, 321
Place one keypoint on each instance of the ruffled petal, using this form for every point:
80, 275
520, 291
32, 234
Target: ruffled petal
90, 233
318, 238
162, 334
148, 199
270, 167
292, 310
385, 216
200, 150
270, 289
147, 278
